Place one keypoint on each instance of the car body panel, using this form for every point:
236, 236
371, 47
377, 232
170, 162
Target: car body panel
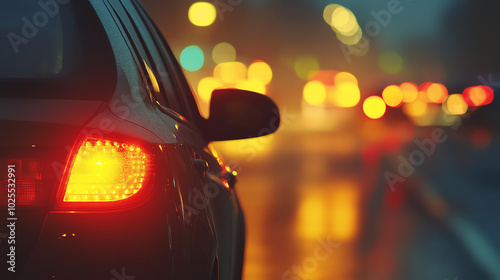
186, 225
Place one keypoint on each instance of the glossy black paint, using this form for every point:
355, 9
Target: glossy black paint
240, 114
187, 225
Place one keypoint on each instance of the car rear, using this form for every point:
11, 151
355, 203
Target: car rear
77, 201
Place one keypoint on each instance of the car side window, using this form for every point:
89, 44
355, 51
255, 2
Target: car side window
183, 93
176, 103
144, 58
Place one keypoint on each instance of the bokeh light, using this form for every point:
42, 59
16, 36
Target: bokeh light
390, 62
202, 14
230, 72
304, 65
311, 217
252, 85
374, 107
327, 77
344, 210
261, 71
455, 105
415, 109
410, 92
360, 49
345, 77
350, 40
346, 95
478, 95
192, 58
328, 12
422, 96
314, 93
344, 21
437, 93
430, 117
223, 52
393, 96
206, 86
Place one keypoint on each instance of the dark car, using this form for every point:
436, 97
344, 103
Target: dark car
106, 167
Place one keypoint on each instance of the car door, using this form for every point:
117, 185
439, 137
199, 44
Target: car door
194, 244
219, 194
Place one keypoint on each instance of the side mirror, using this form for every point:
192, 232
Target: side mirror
240, 114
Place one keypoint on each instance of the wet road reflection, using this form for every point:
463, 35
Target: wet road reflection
298, 200
318, 206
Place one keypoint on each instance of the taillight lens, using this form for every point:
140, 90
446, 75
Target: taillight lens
106, 171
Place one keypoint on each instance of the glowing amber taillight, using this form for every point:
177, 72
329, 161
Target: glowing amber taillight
104, 171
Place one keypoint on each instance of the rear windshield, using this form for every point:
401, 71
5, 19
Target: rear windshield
54, 49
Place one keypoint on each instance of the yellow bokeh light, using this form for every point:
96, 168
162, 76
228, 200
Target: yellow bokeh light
328, 12
223, 52
360, 49
437, 93
262, 146
351, 39
252, 85
314, 93
311, 217
393, 96
202, 14
410, 92
416, 108
206, 86
344, 211
345, 77
455, 105
430, 117
346, 95
344, 21
261, 71
374, 107
230, 72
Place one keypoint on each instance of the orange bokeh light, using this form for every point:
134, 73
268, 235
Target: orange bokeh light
410, 92
478, 95
437, 93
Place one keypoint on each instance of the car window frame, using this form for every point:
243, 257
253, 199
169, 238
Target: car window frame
184, 90
177, 103
141, 55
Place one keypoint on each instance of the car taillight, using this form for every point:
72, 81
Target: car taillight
106, 171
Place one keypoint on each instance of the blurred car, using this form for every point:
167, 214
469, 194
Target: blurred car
107, 171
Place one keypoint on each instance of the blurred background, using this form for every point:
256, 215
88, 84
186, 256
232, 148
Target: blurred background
386, 162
